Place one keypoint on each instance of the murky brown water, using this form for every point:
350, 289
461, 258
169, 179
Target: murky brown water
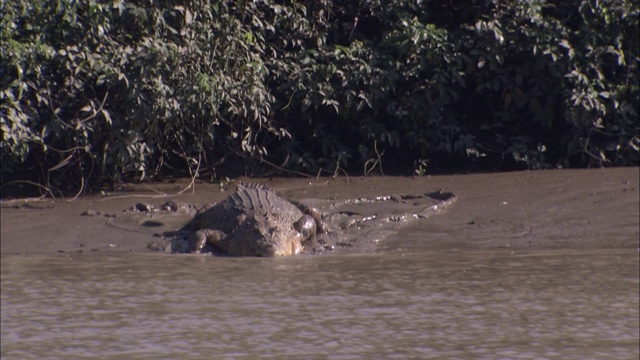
575, 304
526, 265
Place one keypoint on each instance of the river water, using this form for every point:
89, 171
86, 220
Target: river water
465, 304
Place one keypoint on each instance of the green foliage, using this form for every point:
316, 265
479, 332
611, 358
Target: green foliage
102, 90
478, 83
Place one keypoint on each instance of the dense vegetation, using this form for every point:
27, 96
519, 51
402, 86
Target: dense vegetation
101, 91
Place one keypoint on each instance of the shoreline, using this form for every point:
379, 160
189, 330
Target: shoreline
584, 208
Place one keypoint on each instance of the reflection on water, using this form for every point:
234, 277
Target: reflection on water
459, 304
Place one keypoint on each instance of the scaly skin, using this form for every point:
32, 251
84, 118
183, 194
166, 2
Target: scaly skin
253, 221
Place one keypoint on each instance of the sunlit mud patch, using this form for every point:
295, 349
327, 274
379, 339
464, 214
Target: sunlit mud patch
154, 221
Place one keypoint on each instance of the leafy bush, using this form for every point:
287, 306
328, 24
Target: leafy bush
99, 91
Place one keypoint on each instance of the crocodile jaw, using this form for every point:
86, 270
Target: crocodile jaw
290, 246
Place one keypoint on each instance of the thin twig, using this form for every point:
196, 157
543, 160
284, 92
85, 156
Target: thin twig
279, 168
154, 190
136, 196
355, 23
48, 190
377, 161
81, 188
95, 112
192, 184
335, 173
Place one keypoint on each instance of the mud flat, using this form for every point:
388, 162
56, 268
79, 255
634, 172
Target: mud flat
596, 208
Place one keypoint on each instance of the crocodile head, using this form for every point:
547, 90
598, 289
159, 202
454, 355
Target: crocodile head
257, 235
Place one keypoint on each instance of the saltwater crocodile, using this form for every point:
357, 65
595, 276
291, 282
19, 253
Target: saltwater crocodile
255, 221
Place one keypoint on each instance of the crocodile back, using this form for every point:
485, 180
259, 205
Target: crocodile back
253, 214
261, 199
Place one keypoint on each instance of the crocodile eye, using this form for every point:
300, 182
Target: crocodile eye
306, 226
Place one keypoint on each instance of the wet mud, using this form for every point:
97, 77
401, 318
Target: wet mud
597, 208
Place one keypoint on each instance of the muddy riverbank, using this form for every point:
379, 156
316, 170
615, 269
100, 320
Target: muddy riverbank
523, 265
597, 208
